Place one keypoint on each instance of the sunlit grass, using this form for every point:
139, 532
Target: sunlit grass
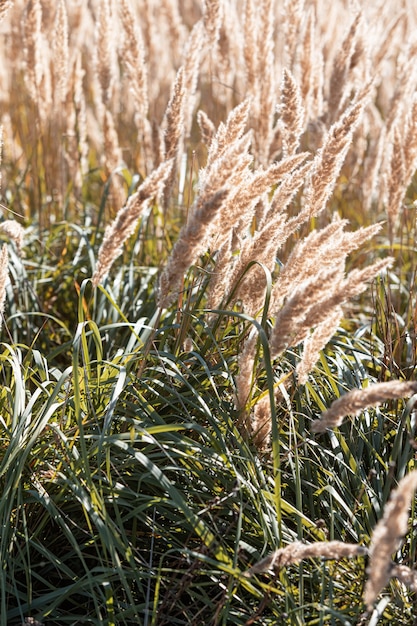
130, 492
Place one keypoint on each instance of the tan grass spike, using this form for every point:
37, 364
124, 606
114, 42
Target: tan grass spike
126, 220
297, 551
387, 537
355, 401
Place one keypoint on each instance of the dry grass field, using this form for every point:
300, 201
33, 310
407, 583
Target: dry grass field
207, 283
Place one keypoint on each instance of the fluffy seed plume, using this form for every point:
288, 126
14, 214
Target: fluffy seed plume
190, 244
261, 423
357, 400
126, 220
329, 159
4, 264
316, 342
293, 320
306, 63
283, 196
321, 248
291, 113
61, 53
212, 17
227, 167
405, 575
242, 208
341, 67
134, 60
353, 285
104, 51
251, 27
33, 49
192, 61
292, 17
207, 128
80, 110
387, 537
174, 124
229, 132
243, 381
266, 89
5, 5
410, 147
318, 248
262, 247
14, 231
297, 551
263, 180
174, 117
396, 181
315, 299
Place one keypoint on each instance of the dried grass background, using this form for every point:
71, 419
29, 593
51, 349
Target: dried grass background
299, 63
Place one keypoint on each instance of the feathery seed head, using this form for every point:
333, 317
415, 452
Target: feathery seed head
295, 552
126, 220
387, 536
14, 231
355, 401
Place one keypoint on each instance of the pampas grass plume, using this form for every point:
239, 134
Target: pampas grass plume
190, 244
4, 264
14, 231
126, 220
355, 401
387, 536
297, 551
5, 5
